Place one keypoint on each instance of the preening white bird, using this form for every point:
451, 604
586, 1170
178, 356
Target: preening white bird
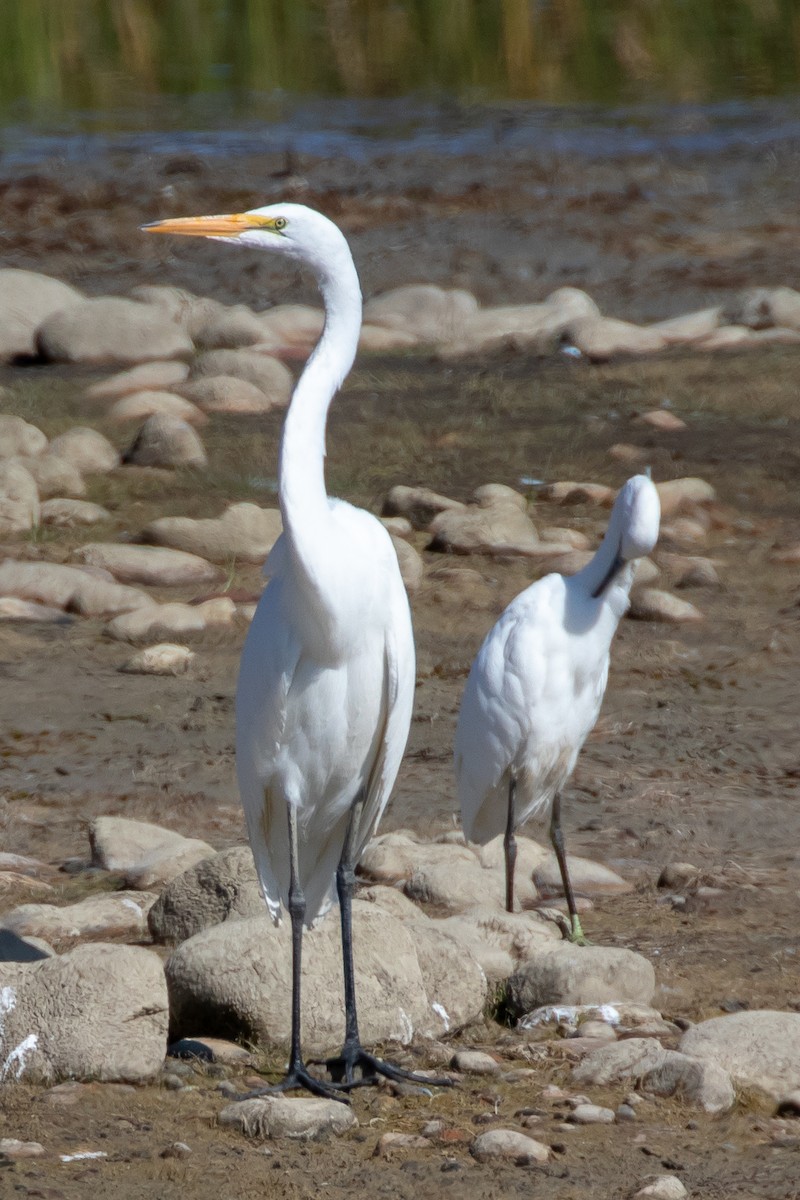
327, 675
535, 688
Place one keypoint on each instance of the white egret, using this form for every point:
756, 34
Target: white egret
535, 688
326, 681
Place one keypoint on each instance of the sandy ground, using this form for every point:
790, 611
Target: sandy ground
695, 755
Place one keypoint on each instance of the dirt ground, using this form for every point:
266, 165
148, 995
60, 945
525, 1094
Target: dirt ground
695, 755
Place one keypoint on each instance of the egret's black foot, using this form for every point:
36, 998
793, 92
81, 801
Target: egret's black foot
356, 1067
297, 1077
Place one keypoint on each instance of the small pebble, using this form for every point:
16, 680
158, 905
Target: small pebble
173, 1083
176, 1150
434, 1128
625, 1113
12, 1148
389, 1142
592, 1114
475, 1062
663, 1187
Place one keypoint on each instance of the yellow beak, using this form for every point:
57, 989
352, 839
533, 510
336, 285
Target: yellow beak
229, 225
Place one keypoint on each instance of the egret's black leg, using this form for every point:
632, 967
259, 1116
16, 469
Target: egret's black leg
298, 1075
557, 839
354, 1066
510, 844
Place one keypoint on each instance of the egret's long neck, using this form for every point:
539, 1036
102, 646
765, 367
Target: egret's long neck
606, 568
301, 481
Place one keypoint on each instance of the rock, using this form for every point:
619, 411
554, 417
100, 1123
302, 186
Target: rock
166, 441
14, 609
235, 978
389, 1142
418, 505
410, 562
786, 554
498, 940
488, 495
683, 495
651, 604
164, 659
19, 499
566, 491
86, 449
391, 858
53, 476
244, 533
171, 620
271, 377
402, 528
560, 536
678, 875
220, 888
601, 338
229, 328
68, 588
663, 1187
12, 1149
110, 329
498, 530
154, 566
475, 1062
765, 308
376, 339
176, 1150
689, 327
432, 314
698, 572
727, 337
297, 326
566, 974
137, 406
281, 1117
146, 377
591, 1114
664, 1072
17, 437
65, 513
97, 1012
28, 298
106, 915
530, 855
509, 1144
226, 394
14, 948
145, 854
760, 1049
588, 878
597, 1030
454, 886
628, 454
663, 420
452, 976
209, 1049
519, 326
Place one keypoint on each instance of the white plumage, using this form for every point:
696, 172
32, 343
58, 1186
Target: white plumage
535, 688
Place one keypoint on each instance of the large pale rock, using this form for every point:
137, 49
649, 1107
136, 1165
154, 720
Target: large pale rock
457, 886
244, 533
65, 513
377, 339
498, 940
19, 499
226, 394
98, 1012
663, 1187
391, 858
145, 854
410, 562
454, 981
662, 420
68, 588
297, 1118
17, 437
236, 977
221, 888
683, 495
601, 338
297, 326
588, 878
432, 314
137, 406
500, 529
105, 915
765, 308
689, 327
418, 504
166, 658
171, 620
665, 1072
86, 449
151, 376
26, 299
229, 328
509, 1145
53, 476
567, 491
266, 373
653, 604
489, 495
760, 1049
568, 974
111, 329
166, 441
154, 566
520, 326
14, 609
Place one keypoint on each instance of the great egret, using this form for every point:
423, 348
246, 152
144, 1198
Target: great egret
326, 682
535, 688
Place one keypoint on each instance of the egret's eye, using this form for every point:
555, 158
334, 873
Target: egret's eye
280, 222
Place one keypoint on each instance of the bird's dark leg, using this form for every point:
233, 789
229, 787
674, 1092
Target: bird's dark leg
510, 844
298, 1075
557, 838
355, 1066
